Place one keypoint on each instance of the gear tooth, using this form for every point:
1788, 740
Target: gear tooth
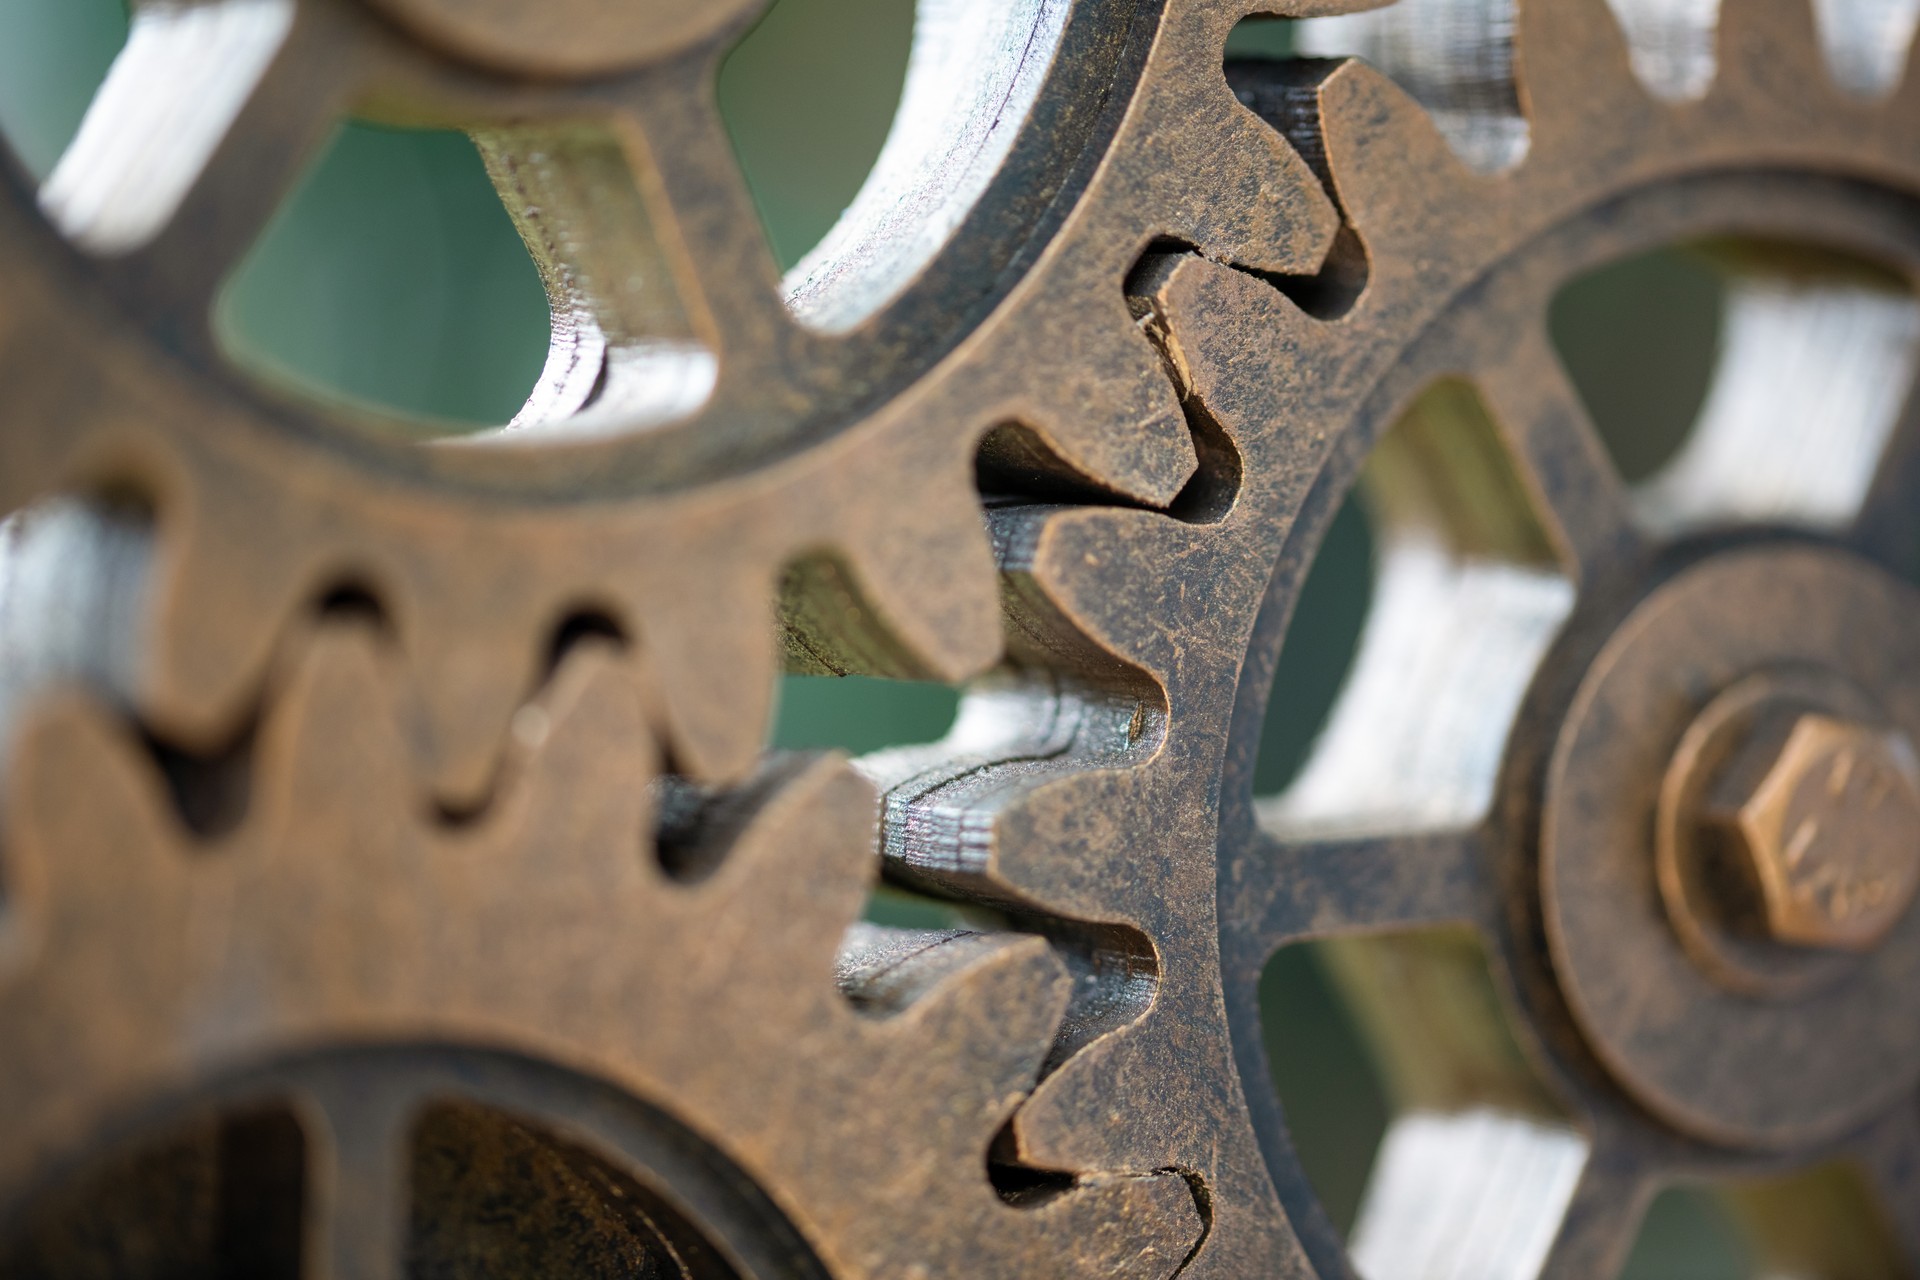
1037, 851
1770, 52
1212, 358
90, 851
472, 676
1107, 408
1087, 562
1263, 207
1004, 1010
586, 736
1143, 1227
1386, 153
118, 839
1065, 1122
1222, 179
1567, 42
222, 594
803, 862
333, 732
710, 645
947, 622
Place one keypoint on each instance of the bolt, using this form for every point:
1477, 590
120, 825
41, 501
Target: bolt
1827, 819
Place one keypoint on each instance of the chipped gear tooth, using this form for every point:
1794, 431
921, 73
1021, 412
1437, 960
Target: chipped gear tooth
1114, 377
1303, 402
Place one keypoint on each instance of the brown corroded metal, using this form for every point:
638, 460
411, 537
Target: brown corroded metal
1829, 821
550, 931
213, 518
1705, 1055
1708, 885
1615, 1014
388, 848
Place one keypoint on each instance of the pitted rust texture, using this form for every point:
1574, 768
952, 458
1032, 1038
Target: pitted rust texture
419, 795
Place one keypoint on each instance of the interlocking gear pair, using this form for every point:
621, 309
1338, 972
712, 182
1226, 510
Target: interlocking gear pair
364, 779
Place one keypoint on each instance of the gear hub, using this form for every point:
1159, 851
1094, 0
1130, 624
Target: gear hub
1828, 823
1673, 861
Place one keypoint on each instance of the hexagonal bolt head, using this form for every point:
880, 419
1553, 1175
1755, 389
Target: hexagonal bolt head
1828, 821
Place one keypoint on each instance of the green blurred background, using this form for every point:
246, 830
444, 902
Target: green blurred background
394, 277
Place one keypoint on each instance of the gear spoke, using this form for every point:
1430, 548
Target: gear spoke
357, 1193
1288, 889
1553, 439
1889, 524
624, 352
711, 230
1890, 1152
1601, 1218
200, 131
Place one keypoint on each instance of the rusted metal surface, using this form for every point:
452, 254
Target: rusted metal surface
1706, 1053
413, 797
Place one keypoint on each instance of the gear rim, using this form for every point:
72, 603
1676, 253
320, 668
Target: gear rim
695, 1191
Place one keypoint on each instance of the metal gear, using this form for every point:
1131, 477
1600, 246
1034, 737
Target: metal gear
1058, 151
1499, 754
1450, 789
449, 581
332, 924
529, 958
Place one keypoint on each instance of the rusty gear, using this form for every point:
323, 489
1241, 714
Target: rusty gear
478, 563
703, 979
1463, 215
1168, 336
627, 191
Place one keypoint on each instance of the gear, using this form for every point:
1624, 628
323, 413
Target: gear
1423, 804
330, 922
263, 788
1509, 764
912, 338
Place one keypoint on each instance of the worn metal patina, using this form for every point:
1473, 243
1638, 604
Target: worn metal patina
395, 882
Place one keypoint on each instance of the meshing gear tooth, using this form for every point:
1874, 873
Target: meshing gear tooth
345, 928
663, 287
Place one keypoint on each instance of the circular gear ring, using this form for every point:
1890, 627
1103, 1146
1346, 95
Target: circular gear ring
1452, 793
1088, 788
687, 402
269, 511
1544, 634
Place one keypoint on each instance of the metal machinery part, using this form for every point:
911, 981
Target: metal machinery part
387, 834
